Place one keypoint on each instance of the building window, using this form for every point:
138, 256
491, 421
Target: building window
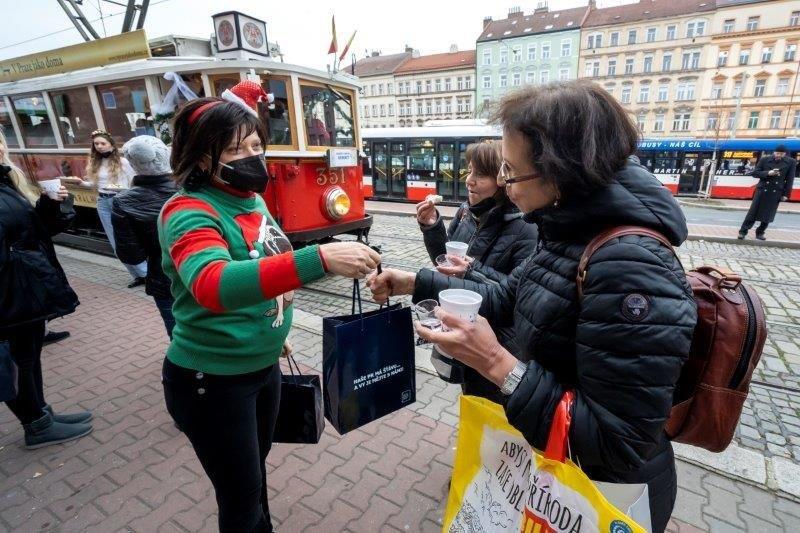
588, 68
74, 115
712, 121
651, 35
366, 111
566, 48
467, 104
629, 65
596, 40
730, 123
438, 85
400, 88
722, 58
766, 54
794, 20
663, 93
487, 82
744, 57
438, 107
545, 50
685, 90
626, 94
503, 80
374, 110
632, 37
612, 67
727, 26
563, 74
516, 79
504, 55
752, 23
428, 86
428, 107
775, 120
448, 84
796, 120
390, 87
658, 123
690, 60
648, 64
531, 52
487, 57
544, 76
383, 110
752, 121
419, 107
530, 78
783, 87
460, 105
681, 121
672, 32
130, 104
666, 62
448, 106
737, 89
716, 91
788, 55
644, 94
391, 110
761, 86
460, 83
380, 88
468, 83
419, 87
695, 29
516, 53
615, 38
640, 122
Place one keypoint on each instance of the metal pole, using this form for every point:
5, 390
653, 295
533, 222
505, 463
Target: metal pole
74, 20
83, 20
142, 14
127, 22
791, 100
738, 106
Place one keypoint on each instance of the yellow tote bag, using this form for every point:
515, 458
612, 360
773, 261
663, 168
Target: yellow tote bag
500, 484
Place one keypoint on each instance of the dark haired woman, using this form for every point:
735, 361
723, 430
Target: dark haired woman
110, 173
565, 150
499, 240
232, 272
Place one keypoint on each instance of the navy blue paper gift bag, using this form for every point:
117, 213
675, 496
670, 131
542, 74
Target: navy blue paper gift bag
367, 364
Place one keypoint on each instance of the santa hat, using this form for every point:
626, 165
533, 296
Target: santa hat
248, 94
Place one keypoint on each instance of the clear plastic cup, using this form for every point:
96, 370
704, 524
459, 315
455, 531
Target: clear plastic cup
456, 248
443, 261
427, 318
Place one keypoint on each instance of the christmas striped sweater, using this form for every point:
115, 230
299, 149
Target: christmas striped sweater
229, 263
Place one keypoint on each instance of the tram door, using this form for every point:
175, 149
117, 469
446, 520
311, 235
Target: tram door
380, 169
691, 174
446, 177
397, 170
463, 172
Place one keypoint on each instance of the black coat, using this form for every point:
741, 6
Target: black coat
134, 216
622, 367
771, 189
29, 229
499, 241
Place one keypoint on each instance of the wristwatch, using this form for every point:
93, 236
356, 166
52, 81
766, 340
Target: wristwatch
513, 378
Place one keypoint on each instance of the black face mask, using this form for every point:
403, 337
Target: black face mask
106, 155
246, 174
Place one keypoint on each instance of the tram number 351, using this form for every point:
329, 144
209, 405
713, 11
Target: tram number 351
334, 176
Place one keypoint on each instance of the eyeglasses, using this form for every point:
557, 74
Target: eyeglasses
504, 176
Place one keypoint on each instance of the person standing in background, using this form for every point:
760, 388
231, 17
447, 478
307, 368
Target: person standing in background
775, 175
110, 173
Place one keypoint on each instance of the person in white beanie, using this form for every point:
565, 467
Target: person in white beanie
135, 213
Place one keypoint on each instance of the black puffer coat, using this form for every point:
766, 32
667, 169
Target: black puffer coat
134, 216
622, 367
499, 241
25, 243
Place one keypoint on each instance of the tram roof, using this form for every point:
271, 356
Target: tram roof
432, 132
160, 65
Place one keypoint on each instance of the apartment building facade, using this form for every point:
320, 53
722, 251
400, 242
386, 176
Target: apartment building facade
378, 105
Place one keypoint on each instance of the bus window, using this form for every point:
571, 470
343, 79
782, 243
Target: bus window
366, 161
126, 109
328, 115
76, 122
422, 157
737, 163
278, 119
6, 126
33, 120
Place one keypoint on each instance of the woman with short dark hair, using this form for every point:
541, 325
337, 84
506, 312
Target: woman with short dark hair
620, 346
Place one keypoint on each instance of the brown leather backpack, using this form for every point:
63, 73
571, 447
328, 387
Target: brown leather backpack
726, 347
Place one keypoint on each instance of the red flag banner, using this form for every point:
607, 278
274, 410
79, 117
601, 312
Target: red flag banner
334, 47
347, 46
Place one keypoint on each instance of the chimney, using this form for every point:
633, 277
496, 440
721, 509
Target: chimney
409, 49
486, 21
514, 12
376, 53
453, 48
414, 53
541, 8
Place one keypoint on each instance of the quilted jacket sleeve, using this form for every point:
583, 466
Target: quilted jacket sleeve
629, 351
129, 250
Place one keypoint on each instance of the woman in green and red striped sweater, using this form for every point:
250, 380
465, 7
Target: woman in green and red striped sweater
232, 273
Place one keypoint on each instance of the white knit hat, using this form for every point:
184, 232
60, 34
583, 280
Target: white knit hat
148, 155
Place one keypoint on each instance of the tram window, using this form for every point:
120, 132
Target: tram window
6, 126
422, 155
126, 109
222, 82
76, 122
33, 120
328, 115
193, 80
278, 119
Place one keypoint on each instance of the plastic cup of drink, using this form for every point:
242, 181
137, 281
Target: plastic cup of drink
50, 187
443, 261
426, 317
462, 303
458, 249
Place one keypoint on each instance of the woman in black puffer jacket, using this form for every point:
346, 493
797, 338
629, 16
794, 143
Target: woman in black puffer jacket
499, 240
620, 348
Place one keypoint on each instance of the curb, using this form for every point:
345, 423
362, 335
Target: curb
746, 242
689, 203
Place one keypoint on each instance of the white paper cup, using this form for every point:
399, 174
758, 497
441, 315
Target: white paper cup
462, 303
458, 249
50, 187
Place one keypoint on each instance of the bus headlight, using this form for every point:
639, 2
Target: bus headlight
337, 203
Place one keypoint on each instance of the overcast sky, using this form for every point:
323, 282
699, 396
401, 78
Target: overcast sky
301, 27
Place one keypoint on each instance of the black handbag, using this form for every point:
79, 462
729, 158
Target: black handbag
300, 418
367, 364
8, 374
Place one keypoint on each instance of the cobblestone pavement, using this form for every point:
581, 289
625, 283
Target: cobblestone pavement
136, 472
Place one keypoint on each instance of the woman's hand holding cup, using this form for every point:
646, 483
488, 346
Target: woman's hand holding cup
455, 266
349, 259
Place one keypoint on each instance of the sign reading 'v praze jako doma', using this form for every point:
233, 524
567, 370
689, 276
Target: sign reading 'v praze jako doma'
117, 49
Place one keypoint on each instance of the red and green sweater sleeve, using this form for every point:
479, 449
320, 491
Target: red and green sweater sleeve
191, 234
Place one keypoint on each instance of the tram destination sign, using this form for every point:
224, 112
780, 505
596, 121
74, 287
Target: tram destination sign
117, 49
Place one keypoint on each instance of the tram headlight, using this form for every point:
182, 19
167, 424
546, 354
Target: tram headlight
337, 203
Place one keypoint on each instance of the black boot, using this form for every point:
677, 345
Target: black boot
45, 431
54, 336
742, 234
80, 417
760, 237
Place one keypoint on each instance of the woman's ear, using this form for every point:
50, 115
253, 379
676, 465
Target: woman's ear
204, 163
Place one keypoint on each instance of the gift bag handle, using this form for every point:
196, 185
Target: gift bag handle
296, 367
558, 440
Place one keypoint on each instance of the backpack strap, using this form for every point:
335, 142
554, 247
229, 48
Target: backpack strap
612, 233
